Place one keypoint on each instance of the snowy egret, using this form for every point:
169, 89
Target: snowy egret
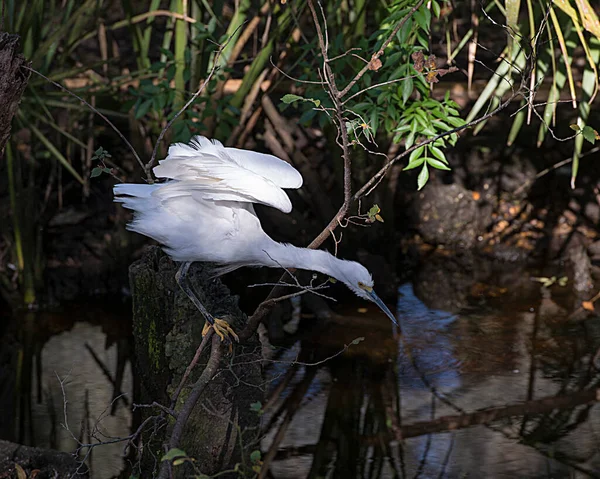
204, 212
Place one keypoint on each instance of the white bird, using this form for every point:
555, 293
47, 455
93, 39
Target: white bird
204, 212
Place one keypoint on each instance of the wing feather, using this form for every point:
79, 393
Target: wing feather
217, 173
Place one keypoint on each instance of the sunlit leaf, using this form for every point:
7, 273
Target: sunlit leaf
587, 305
172, 454
589, 134
437, 164
289, 98
423, 177
255, 456
414, 164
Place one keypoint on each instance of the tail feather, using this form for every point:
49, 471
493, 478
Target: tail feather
135, 190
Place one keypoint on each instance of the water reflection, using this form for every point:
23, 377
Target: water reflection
375, 410
71, 377
379, 408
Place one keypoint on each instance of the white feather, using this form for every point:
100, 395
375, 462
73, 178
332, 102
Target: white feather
204, 212
210, 169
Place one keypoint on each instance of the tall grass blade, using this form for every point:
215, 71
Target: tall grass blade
54, 151
565, 54
588, 85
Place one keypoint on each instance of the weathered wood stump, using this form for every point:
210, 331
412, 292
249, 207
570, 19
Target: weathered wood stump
47, 462
13, 80
167, 331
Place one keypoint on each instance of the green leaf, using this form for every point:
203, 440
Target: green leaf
423, 177
358, 340
96, 172
407, 89
173, 454
307, 116
589, 134
574, 127
157, 66
439, 154
255, 456
374, 210
167, 53
455, 121
256, 407
143, 109
416, 154
289, 99
415, 164
437, 164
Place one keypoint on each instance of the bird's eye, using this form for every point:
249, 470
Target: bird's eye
362, 285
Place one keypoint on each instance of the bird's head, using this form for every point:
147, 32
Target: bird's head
358, 279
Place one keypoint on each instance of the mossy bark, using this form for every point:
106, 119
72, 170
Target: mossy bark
167, 331
13, 80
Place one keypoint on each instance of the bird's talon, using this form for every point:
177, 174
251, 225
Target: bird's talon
222, 329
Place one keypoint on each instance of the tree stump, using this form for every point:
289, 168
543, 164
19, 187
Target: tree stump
167, 331
48, 463
13, 80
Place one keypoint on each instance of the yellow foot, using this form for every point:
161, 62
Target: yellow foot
222, 329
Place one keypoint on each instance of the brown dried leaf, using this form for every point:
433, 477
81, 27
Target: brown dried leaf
375, 64
444, 71
431, 77
419, 60
588, 305
431, 62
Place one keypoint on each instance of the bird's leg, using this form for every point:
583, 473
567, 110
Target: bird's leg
221, 327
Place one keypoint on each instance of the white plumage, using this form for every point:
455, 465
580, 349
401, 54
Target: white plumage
204, 212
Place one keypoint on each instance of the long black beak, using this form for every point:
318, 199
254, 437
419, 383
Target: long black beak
377, 300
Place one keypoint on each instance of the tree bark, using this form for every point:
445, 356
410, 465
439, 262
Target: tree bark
167, 331
13, 80
49, 463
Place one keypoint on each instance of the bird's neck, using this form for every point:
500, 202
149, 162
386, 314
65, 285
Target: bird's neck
279, 255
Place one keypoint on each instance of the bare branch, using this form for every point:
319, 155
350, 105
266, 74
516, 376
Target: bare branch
209, 372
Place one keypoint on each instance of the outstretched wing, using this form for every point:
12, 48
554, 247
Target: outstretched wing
208, 170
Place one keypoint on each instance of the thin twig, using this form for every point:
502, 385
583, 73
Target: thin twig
148, 167
379, 52
188, 370
101, 115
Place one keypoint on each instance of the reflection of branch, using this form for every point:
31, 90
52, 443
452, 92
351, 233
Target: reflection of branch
293, 405
116, 387
485, 416
95, 431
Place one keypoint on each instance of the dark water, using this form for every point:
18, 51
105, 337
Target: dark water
348, 397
